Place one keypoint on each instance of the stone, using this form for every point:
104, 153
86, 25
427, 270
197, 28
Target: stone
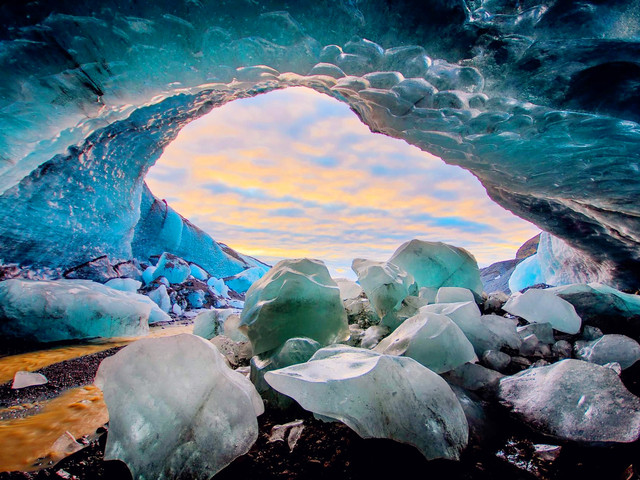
496, 360
544, 332
203, 415
543, 306
436, 264
389, 397
50, 311
432, 340
98, 270
361, 312
296, 298
474, 377
562, 349
574, 400
386, 286
236, 353
495, 301
609, 348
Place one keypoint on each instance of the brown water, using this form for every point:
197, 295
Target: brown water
27, 443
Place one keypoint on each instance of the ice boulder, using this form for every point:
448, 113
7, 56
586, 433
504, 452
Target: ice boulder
542, 306
454, 295
161, 298
49, 311
99, 270
485, 332
241, 282
173, 268
348, 289
609, 348
210, 323
294, 351
296, 298
574, 400
386, 286
198, 272
432, 340
436, 264
176, 410
124, 284
379, 396
218, 287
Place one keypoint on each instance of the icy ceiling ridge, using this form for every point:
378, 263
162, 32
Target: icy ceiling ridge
537, 100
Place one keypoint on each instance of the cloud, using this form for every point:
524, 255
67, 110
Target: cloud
295, 173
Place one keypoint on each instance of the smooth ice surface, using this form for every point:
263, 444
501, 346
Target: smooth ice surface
124, 284
432, 340
543, 306
241, 282
49, 311
388, 397
436, 264
176, 409
385, 285
210, 323
609, 348
574, 400
454, 295
23, 379
485, 332
296, 298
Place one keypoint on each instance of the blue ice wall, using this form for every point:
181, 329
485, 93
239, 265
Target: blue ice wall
539, 99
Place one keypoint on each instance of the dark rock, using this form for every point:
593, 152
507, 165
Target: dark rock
98, 270
528, 248
495, 277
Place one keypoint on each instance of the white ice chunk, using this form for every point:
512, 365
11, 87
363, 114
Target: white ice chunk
218, 287
379, 396
209, 323
124, 284
348, 288
161, 298
176, 409
454, 295
24, 379
541, 306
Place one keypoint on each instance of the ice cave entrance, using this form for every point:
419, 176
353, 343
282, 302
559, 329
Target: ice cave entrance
295, 173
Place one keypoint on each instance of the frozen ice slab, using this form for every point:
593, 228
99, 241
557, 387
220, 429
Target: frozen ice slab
436, 264
609, 348
574, 400
210, 323
432, 340
296, 298
485, 332
176, 410
241, 282
379, 396
385, 285
293, 352
49, 311
542, 306
173, 268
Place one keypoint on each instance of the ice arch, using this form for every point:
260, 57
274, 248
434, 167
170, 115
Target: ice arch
91, 94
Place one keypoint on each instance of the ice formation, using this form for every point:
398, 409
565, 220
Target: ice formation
574, 400
177, 401
388, 397
386, 286
436, 264
432, 340
49, 311
544, 307
296, 298
538, 103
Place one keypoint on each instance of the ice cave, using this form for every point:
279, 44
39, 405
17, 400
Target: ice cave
539, 99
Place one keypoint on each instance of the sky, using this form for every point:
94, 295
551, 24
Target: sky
294, 173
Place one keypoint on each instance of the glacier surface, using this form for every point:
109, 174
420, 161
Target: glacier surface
538, 100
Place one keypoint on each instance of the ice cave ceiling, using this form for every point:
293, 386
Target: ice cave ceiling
539, 100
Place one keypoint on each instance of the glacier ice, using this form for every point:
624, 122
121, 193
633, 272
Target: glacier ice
432, 340
386, 286
379, 396
436, 264
543, 306
485, 332
294, 351
609, 348
296, 298
574, 400
176, 410
543, 112
49, 311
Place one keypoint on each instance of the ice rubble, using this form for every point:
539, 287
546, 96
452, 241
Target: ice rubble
432, 340
296, 298
49, 311
177, 401
386, 286
388, 397
574, 400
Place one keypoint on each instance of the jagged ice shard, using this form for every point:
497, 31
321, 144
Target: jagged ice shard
538, 100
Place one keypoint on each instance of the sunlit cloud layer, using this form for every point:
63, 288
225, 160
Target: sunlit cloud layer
294, 173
